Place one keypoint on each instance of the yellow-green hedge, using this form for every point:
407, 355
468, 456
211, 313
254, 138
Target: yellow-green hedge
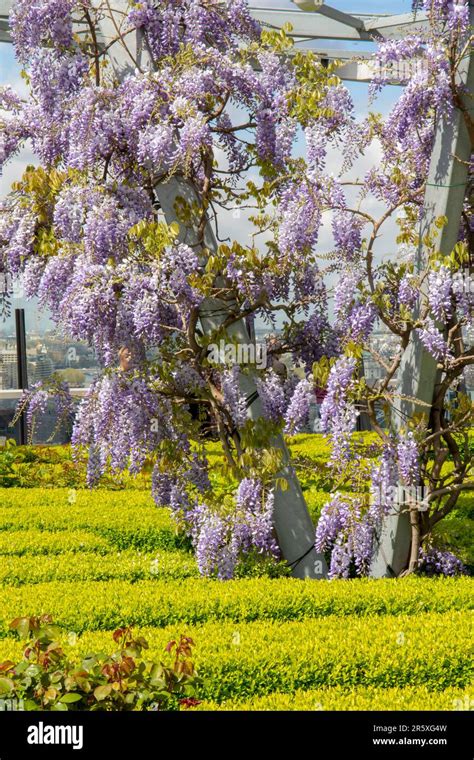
355, 698
241, 661
110, 514
106, 604
128, 565
35, 542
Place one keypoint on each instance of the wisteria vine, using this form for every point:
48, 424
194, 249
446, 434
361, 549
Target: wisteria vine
213, 101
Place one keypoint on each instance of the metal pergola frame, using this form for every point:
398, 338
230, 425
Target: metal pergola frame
312, 27
309, 29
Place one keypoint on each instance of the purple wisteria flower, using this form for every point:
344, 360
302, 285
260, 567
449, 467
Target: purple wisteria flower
408, 459
297, 413
338, 414
38, 23
222, 539
434, 561
355, 317
346, 230
233, 397
123, 420
407, 292
301, 220
454, 12
433, 341
347, 531
333, 521
36, 399
272, 394
347, 534
340, 380
384, 482
440, 292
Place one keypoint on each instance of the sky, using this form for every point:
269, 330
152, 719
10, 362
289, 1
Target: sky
10, 74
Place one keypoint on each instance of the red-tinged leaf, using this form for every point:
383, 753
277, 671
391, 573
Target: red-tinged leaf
187, 702
22, 626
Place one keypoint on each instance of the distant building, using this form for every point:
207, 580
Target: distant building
44, 367
384, 345
8, 355
8, 368
41, 364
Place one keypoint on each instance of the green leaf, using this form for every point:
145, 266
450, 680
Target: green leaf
102, 692
22, 626
281, 483
6, 685
71, 697
174, 228
49, 632
89, 662
31, 705
59, 707
460, 253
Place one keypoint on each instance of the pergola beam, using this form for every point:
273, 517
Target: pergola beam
5, 8
328, 23
359, 67
314, 25
395, 26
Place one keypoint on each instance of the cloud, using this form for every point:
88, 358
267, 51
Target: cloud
13, 169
